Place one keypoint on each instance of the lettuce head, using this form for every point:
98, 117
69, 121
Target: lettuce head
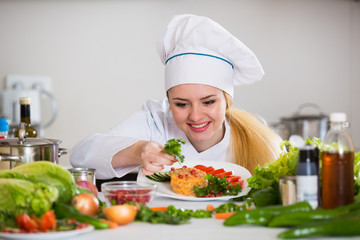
49, 173
19, 196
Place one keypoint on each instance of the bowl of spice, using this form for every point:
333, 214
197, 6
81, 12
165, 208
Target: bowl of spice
121, 192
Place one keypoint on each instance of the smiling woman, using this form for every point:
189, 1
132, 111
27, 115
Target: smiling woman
203, 62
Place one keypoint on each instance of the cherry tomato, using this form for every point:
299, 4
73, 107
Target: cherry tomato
86, 203
48, 221
121, 214
26, 223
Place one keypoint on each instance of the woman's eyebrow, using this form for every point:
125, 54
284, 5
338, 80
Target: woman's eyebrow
209, 96
203, 98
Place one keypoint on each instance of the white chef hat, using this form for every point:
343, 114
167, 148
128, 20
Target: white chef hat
196, 49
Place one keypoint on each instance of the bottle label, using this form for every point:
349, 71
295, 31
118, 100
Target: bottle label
307, 189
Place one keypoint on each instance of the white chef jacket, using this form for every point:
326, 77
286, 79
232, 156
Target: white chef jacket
154, 122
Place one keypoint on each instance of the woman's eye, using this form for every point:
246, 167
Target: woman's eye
209, 102
182, 105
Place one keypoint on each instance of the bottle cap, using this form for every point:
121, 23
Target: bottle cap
338, 117
4, 125
25, 101
306, 153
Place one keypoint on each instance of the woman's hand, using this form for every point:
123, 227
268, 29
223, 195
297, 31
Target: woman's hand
152, 159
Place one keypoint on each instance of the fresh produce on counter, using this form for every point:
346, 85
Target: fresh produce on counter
169, 215
173, 147
319, 214
42, 196
64, 211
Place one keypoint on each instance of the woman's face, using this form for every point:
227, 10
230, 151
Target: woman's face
199, 111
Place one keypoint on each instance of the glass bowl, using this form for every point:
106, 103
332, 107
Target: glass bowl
121, 192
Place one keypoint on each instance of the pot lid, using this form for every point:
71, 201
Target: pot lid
298, 116
28, 142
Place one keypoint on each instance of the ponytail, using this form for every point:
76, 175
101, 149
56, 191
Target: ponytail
252, 142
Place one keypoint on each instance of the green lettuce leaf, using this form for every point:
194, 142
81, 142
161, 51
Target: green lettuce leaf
19, 196
52, 174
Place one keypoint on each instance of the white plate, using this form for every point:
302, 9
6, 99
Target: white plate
164, 187
48, 235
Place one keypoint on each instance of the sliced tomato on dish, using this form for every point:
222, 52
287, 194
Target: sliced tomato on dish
201, 167
209, 169
224, 174
232, 178
217, 171
234, 184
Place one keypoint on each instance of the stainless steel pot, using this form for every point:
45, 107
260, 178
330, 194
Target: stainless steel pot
17, 151
307, 125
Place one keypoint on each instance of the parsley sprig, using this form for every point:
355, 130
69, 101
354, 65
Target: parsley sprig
173, 147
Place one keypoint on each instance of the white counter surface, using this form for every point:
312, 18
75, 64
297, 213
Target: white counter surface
204, 229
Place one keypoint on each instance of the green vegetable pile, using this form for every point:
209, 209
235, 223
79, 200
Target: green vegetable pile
173, 147
34, 188
172, 216
302, 220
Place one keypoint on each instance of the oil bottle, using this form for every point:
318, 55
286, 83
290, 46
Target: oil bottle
25, 118
337, 158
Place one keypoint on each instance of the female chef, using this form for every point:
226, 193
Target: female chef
203, 62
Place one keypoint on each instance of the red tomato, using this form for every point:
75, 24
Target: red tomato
26, 223
233, 178
201, 167
217, 171
209, 169
238, 182
224, 174
48, 221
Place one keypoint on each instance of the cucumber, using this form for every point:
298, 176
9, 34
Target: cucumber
160, 177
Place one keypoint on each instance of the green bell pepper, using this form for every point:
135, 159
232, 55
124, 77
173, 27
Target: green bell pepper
342, 226
262, 216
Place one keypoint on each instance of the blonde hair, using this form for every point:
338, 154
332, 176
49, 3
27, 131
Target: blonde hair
252, 142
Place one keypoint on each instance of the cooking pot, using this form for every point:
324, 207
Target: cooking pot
307, 125
17, 151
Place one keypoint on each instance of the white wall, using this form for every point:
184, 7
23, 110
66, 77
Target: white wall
102, 59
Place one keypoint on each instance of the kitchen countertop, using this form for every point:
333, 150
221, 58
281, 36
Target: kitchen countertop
209, 228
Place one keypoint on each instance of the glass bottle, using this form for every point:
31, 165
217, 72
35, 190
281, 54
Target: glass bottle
4, 128
307, 176
25, 118
337, 159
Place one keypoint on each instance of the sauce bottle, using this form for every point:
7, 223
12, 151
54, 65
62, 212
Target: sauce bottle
307, 176
25, 118
337, 159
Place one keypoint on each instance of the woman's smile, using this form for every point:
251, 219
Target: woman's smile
200, 127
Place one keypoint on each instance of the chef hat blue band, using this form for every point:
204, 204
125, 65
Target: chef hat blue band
200, 54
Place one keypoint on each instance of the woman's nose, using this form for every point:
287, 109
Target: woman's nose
195, 114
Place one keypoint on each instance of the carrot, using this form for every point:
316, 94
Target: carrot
210, 208
112, 224
159, 209
224, 215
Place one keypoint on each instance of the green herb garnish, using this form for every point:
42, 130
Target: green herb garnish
173, 147
217, 187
